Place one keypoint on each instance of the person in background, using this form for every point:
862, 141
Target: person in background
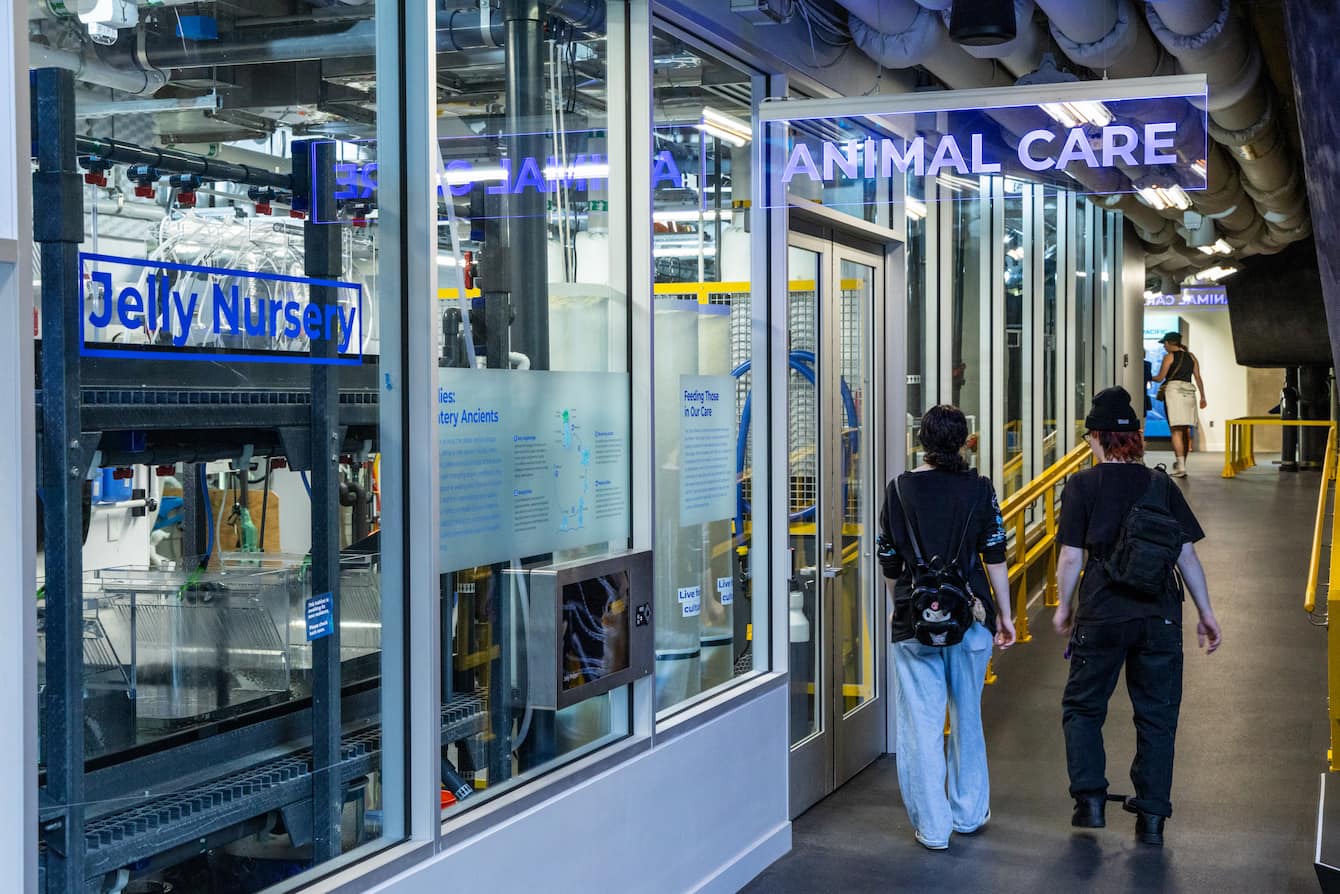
1179, 367
955, 516
1114, 626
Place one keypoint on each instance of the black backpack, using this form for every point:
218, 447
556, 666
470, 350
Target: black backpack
941, 600
1146, 551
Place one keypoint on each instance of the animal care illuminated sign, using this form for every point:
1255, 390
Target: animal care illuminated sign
1038, 150
1091, 137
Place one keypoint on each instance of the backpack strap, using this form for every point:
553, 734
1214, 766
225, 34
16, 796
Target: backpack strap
912, 534
907, 522
1157, 495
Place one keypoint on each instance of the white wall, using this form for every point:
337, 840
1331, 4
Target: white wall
1208, 336
705, 812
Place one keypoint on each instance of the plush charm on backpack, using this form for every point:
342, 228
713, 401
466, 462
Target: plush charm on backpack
941, 604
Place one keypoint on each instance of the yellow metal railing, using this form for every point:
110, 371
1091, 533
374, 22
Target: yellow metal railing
1330, 470
1239, 443
1319, 528
1036, 544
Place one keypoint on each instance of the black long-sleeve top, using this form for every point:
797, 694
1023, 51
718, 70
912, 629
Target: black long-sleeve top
942, 505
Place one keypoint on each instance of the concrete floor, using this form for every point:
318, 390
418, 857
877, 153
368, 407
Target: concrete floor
1251, 745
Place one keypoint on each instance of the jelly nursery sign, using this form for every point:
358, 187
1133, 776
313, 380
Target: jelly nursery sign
1144, 135
143, 309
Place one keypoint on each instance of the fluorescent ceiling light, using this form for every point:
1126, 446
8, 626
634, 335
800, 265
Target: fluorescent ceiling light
688, 215
1199, 168
708, 251
726, 128
916, 209
590, 171
1161, 198
958, 183
1220, 247
463, 176
1212, 274
1078, 113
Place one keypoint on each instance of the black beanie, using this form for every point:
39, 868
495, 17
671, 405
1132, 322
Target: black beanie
1112, 411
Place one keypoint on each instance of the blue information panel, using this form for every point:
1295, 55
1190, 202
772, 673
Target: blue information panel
318, 616
531, 462
137, 309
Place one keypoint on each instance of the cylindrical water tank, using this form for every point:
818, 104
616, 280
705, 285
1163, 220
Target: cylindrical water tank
678, 559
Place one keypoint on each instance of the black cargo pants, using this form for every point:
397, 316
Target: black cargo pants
1151, 651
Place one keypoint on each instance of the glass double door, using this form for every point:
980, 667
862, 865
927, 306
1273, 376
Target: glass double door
834, 311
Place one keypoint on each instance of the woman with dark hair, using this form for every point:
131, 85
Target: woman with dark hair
1179, 368
953, 515
1116, 625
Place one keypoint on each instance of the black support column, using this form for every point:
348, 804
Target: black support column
314, 167
527, 141
58, 226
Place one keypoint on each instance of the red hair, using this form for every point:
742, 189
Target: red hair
1122, 446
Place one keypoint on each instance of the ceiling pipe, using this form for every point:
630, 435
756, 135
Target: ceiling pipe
93, 70
901, 34
1111, 38
457, 30
1019, 56
1205, 36
1222, 49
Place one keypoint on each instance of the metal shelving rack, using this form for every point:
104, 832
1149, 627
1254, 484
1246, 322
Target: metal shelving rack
299, 758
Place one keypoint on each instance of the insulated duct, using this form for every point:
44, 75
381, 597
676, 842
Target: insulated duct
1205, 36
1019, 56
901, 34
1111, 38
93, 70
457, 30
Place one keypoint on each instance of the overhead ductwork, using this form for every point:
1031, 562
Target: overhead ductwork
1111, 38
93, 70
901, 34
1205, 36
1021, 55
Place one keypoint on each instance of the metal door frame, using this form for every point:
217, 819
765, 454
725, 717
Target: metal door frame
846, 742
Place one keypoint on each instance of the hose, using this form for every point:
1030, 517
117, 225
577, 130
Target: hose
209, 515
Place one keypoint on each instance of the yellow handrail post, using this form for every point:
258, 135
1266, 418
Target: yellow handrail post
1230, 438
1051, 597
1021, 604
1319, 527
1333, 675
1249, 459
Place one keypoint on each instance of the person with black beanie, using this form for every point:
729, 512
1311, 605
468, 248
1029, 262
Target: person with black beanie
1116, 624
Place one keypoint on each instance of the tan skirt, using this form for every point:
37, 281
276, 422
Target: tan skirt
1181, 402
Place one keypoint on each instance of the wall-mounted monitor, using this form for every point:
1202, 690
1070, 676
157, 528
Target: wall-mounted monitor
590, 628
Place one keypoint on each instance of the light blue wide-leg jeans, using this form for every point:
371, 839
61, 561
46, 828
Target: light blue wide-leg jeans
944, 784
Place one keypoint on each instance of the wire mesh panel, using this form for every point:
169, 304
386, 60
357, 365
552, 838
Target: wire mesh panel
802, 400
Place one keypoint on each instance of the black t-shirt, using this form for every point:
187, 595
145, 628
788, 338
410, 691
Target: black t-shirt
1094, 505
943, 506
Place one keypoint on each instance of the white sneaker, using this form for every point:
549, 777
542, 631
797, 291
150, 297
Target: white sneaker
1178, 469
932, 847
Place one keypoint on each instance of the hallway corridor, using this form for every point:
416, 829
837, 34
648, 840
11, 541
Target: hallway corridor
1251, 745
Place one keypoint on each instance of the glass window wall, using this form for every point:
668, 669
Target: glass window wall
965, 209
705, 415
916, 212
216, 696
534, 430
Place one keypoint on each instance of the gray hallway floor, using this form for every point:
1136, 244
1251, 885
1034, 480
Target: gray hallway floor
1251, 745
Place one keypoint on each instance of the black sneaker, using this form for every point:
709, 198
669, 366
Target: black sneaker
1149, 828
1090, 812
